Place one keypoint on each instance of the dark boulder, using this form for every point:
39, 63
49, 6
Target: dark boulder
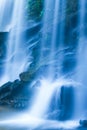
27, 76
9, 88
5, 90
17, 94
66, 102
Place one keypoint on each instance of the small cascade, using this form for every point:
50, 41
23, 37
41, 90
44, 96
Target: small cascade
43, 99
51, 93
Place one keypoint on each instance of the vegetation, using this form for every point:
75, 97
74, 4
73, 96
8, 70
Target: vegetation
35, 9
72, 6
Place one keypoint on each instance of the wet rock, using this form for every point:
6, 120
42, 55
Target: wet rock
5, 90
28, 76
83, 123
66, 102
3, 44
3, 37
16, 84
17, 94
9, 88
36, 84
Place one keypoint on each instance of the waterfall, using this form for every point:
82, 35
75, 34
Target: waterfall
15, 57
54, 100
5, 23
81, 63
52, 84
53, 37
15, 47
42, 98
53, 42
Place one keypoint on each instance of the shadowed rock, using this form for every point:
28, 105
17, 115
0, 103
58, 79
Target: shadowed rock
17, 94
3, 43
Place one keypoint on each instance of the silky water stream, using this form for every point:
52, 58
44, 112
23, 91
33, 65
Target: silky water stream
57, 102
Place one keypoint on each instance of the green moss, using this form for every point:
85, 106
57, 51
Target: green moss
35, 9
72, 6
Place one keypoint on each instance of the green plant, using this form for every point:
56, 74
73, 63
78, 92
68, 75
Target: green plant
35, 9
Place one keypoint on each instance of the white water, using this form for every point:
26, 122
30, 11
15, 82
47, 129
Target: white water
47, 28
15, 57
80, 92
54, 37
43, 98
44, 94
5, 15
53, 13
35, 117
15, 47
37, 123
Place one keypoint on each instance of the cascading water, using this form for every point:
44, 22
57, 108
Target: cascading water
53, 89
81, 63
15, 57
15, 47
47, 87
5, 24
53, 36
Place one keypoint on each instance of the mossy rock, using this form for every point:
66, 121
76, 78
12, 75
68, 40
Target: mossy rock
35, 9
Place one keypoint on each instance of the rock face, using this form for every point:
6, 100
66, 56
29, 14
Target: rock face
3, 37
26, 76
5, 90
67, 100
15, 94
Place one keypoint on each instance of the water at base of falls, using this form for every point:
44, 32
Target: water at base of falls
36, 116
32, 123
